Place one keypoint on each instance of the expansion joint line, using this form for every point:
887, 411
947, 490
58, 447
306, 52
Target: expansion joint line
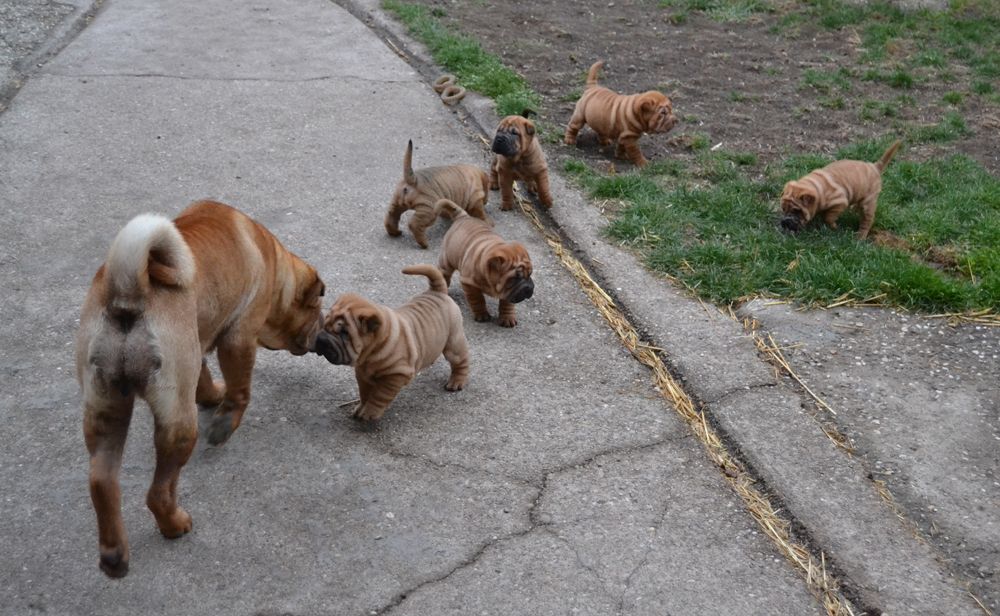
822, 584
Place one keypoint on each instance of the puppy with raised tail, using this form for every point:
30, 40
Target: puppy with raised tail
168, 293
388, 347
419, 190
827, 192
620, 117
518, 156
486, 263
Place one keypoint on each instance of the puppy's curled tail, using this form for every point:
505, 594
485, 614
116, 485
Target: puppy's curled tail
434, 276
148, 251
592, 73
449, 209
884, 161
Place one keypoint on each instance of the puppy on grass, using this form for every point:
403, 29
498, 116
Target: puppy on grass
831, 190
388, 347
617, 116
487, 264
518, 156
419, 190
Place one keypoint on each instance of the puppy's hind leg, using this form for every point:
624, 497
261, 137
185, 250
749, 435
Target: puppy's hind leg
457, 354
573, 128
867, 216
105, 426
175, 431
423, 217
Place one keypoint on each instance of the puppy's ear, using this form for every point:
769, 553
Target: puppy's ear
529, 128
496, 263
316, 290
808, 199
527, 113
368, 321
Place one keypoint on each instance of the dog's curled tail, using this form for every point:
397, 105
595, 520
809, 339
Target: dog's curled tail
434, 276
148, 251
592, 73
449, 209
884, 161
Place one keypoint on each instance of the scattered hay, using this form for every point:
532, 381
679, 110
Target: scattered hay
777, 528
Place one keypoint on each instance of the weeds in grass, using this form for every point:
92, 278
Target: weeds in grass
475, 68
826, 82
952, 98
719, 10
723, 240
951, 127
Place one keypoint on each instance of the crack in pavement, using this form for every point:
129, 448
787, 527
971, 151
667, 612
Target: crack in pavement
644, 560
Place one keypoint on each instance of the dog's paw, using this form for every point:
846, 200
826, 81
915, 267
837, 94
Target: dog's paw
220, 430
114, 563
506, 321
368, 413
482, 317
455, 384
178, 525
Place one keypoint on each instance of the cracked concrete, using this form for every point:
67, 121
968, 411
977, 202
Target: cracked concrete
479, 501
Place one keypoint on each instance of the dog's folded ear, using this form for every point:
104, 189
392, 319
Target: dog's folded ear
527, 113
808, 199
369, 322
496, 263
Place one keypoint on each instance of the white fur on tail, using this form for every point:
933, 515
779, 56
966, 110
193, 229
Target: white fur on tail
127, 265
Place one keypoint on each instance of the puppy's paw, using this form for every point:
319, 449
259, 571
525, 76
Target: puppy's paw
393, 232
220, 430
455, 384
367, 412
482, 317
568, 140
506, 321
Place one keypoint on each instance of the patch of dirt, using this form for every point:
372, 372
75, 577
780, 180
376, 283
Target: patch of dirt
741, 84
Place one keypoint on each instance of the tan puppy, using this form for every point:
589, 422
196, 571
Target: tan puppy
518, 157
487, 264
617, 116
388, 347
419, 190
831, 190
168, 293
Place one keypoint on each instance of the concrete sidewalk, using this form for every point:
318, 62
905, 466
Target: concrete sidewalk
558, 482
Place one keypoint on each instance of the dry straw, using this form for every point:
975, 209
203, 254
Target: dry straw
821, 583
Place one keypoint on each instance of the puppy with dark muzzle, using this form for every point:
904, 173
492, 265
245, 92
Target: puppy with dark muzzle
420, 189
487, 264
829, 191
388, 347
518, 156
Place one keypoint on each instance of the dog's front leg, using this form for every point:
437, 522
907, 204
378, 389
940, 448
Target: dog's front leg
377, 393
477, 303
236, 359
506, 318
506, 189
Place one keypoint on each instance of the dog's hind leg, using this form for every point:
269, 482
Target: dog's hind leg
457, 354
573, 128
105, 426
236, 359
423, 217
175, 432
867, 216
209, 392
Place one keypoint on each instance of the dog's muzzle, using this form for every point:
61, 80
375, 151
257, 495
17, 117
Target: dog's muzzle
791, 223
504, 144
521, 291
333, 348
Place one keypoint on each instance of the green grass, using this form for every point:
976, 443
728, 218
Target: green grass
952, 98
719, 10
475, 68
951, 127
826, 82
723, 241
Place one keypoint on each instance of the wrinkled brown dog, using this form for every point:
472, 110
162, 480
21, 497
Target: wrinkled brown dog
419, 190
518, 156
831, 190
617, 116
168, 293
388, 347
487, 264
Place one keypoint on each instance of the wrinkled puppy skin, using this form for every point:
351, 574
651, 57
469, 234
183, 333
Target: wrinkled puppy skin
388, 347
487, 265
419, 190
518, 156
619, 117
829, 191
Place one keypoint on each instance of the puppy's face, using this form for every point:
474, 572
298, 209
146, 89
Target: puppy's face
656, 112
513, 136
351, 326
798, 206
509, 272
295, 327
